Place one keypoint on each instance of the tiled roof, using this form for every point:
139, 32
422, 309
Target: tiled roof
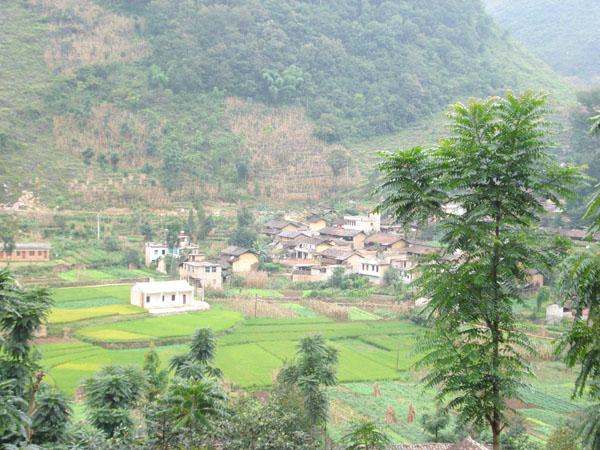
235, 251
384, 239
337, 254
277, 224
338, 232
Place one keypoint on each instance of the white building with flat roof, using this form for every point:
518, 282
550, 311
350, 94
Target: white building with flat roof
166, 297
366, 224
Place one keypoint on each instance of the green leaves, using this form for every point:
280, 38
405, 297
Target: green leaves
496, 167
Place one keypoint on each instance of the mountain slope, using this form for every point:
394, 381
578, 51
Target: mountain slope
566, 34
146, 103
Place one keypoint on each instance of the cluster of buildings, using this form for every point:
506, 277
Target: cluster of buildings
361, 245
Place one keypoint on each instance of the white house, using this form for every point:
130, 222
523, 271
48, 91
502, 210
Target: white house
366, 224
165, 297
153, 251
554, 314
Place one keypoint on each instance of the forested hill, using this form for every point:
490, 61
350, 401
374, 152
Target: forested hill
566, 34
146, 102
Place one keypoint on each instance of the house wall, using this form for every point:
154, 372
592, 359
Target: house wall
200, 278
358, 241
168, 299
152, 253
247, 262
316, 226
33, 255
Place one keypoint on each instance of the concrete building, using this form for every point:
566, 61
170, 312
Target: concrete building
153, 251
366, 224
202, 274
27, 252
354, 237
166, 297
372, 268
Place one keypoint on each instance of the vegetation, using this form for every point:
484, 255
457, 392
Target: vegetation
567, 45
472, 297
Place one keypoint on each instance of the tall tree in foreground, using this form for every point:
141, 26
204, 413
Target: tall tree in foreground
580, 285
495, 165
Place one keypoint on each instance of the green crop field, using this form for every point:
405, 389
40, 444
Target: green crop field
65, 315
117, 292
158, 328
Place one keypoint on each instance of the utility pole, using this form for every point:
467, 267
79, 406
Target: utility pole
255, 304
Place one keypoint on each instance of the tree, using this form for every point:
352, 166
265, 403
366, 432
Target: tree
190, 228
146, 230
172, 237
87, 156
243, 237
156, 379
314, 368
197, 363
366, 435
8, 230
563, 438
244, 218
542, 297
580, 285
50, 417
435, 424
194, 403
496, 166
110, 395
114, 161
338, 160
272, 425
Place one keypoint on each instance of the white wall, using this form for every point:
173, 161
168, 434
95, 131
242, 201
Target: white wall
162, 300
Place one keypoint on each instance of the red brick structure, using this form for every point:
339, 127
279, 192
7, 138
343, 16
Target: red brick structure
27, 252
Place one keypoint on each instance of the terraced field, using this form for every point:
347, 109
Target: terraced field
250, 351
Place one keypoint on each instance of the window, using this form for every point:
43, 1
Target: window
207, 269
40, 253
163, 252
147, 299
163, 298
18, 253
31, 252
155, 252
172, 297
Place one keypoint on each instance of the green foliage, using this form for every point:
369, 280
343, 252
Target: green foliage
51, 416
496, 166
563, 438
12, 416
315, 366
275, 424
435, 424
243, 237
361, 68
111, 395
542, 298
156, 379
564, 34
366, 435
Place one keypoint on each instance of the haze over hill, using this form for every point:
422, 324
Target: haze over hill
148, 102
563, 33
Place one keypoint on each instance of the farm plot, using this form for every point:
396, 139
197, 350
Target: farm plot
68, 364
161, 328
117, 293
66, 315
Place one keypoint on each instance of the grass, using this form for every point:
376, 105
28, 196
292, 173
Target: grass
65, 315
161, 328
119, 292
301, 310
360, 314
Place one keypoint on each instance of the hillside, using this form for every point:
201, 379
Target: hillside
152, 102
565, 34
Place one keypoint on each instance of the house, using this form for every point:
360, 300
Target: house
290, 235
355, 237
339, 257
202, 274
366, 224
388, 242
27, 252
313, 273
166, 297
276, 226
154, 251
373, 268
555, 314
316, 222
576, 234
406, 266
239, 260
307, 246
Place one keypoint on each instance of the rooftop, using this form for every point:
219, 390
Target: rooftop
156, 287
232, 250
32, 246
385, 239
338, 232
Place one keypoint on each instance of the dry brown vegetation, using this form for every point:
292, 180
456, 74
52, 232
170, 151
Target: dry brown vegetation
83, 33
107, 129
331, 310
257, 308
287, 162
